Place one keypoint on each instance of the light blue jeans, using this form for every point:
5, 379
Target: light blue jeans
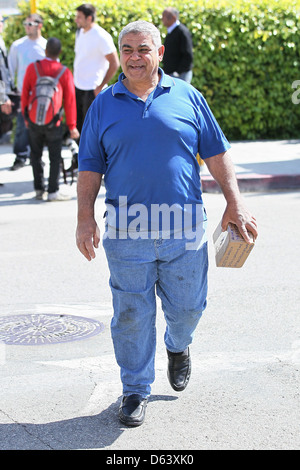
186, 76
138, 270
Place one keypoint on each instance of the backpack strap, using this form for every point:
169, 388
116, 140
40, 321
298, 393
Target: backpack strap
36, 68
56, 79
60, 73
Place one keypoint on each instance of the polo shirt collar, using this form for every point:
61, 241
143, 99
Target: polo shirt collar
119, 88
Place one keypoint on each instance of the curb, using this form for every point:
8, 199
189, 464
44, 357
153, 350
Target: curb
255, 183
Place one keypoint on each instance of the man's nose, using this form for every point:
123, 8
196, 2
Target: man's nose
135, 55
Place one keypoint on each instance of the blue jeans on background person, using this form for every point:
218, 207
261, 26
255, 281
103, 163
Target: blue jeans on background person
138, 270
186, 76
21, 146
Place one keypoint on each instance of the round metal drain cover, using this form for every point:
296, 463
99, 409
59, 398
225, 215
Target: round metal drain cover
43, 329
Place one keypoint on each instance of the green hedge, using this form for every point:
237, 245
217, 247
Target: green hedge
246, 55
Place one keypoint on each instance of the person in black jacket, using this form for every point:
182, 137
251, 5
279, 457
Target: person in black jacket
178, 57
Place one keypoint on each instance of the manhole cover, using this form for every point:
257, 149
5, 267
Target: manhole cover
39, 329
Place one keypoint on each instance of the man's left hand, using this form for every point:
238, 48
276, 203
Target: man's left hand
239, 215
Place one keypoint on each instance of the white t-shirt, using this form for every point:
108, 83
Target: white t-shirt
22, 52
90, 65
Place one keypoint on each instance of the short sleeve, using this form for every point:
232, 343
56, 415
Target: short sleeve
91, 156
212, 140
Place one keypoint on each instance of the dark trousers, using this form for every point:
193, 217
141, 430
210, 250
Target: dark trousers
39, 136
84, 99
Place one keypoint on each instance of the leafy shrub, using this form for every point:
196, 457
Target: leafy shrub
246, 55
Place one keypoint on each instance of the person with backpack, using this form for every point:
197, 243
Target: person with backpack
48, 87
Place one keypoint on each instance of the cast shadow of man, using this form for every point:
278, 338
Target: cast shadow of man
82, 433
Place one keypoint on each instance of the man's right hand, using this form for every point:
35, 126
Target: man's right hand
6, 107
87, 238
87, 232
74, 134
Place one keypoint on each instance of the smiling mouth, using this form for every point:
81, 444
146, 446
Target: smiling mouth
136, 67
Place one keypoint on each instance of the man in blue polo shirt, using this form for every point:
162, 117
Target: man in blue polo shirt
143, 134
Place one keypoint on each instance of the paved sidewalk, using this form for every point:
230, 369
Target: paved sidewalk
64, 395
262, 165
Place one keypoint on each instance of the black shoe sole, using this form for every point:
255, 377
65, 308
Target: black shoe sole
131, 422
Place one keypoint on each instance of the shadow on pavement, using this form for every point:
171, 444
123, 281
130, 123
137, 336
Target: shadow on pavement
85, 432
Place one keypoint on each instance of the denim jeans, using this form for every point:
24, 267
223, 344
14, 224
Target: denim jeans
138, 270
186, 76
21, 142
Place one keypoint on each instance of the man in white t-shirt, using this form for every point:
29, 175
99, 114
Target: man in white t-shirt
22, 52
96, 59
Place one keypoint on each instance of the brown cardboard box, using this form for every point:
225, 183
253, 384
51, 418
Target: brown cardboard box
231, 250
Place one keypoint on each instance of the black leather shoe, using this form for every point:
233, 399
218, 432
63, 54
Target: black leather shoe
18, 163
133, 409
179, 369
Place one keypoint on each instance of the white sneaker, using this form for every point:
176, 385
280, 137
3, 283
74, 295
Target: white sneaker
58, 196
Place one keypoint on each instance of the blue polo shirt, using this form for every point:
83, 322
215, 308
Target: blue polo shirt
147, 150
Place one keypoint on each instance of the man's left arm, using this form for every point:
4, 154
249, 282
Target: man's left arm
27, 87
12, 60
5, 103
222, 169
114, 63
186, 52
69, 100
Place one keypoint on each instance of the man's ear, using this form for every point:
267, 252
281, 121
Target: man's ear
161, 51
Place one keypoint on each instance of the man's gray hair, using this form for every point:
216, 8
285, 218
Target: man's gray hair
174, 12
144, 27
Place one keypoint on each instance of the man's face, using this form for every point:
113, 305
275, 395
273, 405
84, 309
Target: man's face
167, 19
139, 57
82, 21
32, 28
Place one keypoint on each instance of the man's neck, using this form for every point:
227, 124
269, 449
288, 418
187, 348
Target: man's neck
142, 89
56, 59
88, 27
34, 37
173, 26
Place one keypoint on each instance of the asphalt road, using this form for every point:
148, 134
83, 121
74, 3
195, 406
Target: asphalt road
244, 389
